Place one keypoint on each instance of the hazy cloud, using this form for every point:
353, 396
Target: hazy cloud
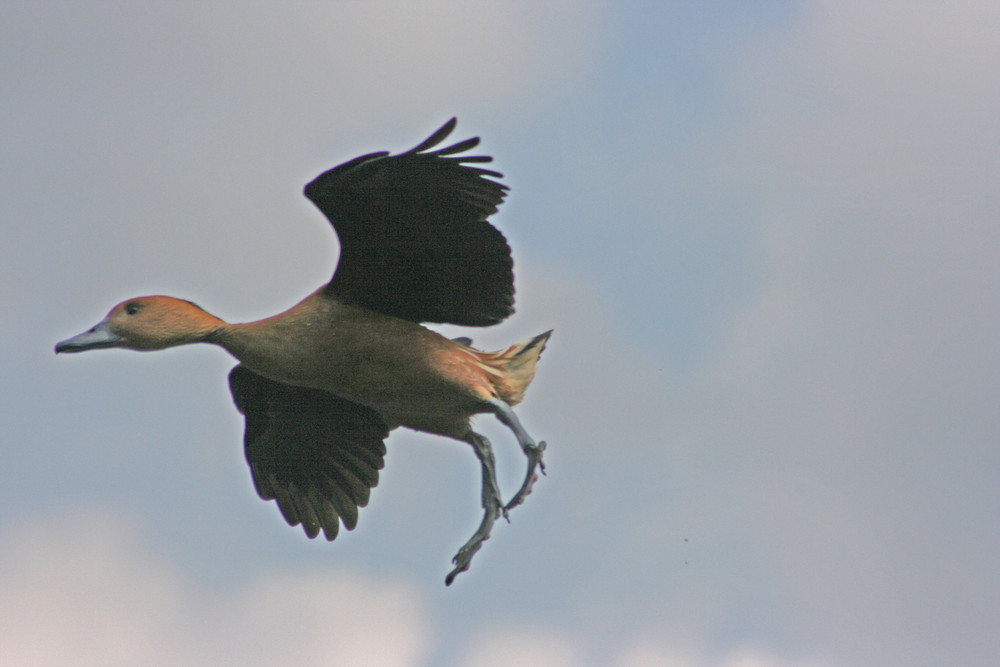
107, 600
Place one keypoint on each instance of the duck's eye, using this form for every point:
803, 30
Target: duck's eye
131, 308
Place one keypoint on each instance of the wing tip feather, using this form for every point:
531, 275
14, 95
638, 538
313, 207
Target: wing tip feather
436, 138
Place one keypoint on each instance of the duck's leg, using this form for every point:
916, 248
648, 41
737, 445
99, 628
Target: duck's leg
492, 506
534, 452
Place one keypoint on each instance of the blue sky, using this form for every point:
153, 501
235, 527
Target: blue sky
765, 236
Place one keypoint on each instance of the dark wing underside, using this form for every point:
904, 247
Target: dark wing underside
414, 241
317, 455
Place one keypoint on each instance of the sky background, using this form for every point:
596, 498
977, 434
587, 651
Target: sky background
766, 235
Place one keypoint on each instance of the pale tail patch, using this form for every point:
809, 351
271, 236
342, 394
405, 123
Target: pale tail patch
511, 370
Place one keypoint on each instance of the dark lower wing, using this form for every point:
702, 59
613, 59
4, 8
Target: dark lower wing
317, 455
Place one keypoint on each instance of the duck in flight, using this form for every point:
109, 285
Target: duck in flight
322, 384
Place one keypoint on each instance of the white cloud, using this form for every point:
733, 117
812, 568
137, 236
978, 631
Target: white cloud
654, 653
517, 645
75, 592
322, 618
79, 589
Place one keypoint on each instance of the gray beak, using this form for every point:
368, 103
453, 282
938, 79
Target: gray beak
95, 337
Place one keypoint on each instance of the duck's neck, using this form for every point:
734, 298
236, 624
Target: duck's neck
263, 342
207, 330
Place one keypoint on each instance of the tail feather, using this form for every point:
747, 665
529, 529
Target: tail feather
512, 369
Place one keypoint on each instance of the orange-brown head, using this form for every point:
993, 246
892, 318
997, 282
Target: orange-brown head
147, 323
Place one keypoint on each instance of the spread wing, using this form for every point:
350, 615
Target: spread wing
414, 240
316, 454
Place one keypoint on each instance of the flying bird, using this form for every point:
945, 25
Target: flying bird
322, 384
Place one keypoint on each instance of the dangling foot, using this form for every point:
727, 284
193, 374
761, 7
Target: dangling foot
492, 506
463, 559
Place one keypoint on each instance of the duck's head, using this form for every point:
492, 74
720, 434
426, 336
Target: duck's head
146, 323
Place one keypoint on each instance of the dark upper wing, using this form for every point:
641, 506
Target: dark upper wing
315, 454
414, 241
